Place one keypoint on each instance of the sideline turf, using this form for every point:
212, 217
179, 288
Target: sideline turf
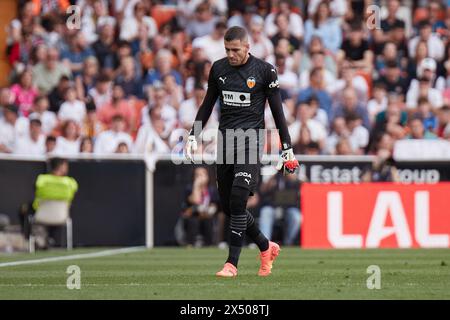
179, 273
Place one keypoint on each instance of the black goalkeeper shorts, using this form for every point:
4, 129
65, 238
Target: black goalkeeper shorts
238, 163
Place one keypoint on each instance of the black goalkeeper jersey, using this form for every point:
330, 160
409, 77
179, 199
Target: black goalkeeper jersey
242, 92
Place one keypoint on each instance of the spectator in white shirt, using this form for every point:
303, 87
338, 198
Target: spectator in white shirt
260, 45
47, 118
304, 118
148, 140
317, 61
102, 92
379, 101
50, 145
212, 43
295, 20
168, 113
108, 141
436, 48
130, 25
33, 143
12, 127
359, 136
72, 109
425, 90
339, 132
68, 144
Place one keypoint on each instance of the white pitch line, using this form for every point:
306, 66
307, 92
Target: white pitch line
74, 256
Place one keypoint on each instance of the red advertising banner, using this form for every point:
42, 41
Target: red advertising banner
375, 215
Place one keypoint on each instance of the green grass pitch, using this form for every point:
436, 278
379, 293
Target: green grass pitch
180, 273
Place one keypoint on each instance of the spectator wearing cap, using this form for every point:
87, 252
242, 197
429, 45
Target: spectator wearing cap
424, 90
294, 21
212, 43
108, 141
435, 45
129, 29
33, 143
40, 111
46, 75
427, 69
260, 45
324, 26
12, 128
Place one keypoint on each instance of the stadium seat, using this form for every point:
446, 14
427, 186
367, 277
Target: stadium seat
53, 213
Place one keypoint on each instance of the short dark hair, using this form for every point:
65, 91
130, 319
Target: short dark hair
235, 33
55, 163
36, 121
50, 139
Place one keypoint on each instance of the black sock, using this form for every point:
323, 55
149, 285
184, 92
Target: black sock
255, 234
233, 255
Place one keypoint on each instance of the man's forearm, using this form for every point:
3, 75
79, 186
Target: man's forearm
276, 107
204, 112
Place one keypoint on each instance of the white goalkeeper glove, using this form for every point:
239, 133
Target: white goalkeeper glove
191, 147
287, 162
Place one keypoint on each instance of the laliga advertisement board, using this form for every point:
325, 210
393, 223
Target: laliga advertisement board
376, 215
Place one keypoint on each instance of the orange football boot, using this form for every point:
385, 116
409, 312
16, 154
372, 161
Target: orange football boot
267, 258
228, 271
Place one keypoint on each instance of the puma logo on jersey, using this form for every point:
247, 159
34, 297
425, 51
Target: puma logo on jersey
238, 233
222, 79
247, 180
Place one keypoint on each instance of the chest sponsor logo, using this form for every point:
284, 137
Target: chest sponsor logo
251, 81
234, 98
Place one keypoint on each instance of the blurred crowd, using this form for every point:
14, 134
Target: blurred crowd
127, 76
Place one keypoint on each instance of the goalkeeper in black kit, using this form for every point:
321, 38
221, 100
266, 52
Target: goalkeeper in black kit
243, 84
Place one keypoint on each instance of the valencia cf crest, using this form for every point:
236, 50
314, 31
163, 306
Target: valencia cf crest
251, 82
